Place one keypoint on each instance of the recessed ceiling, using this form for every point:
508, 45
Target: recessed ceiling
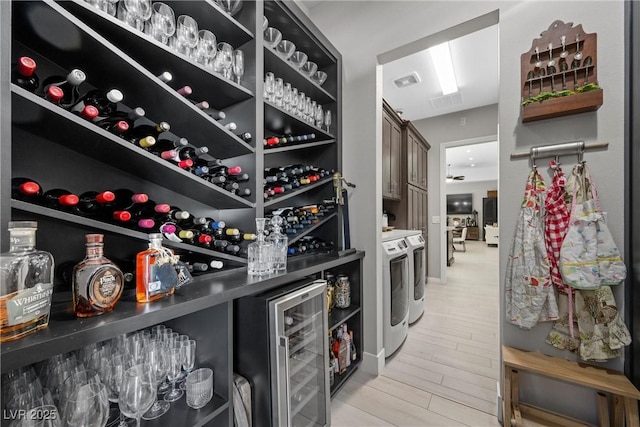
483, 157
475, 61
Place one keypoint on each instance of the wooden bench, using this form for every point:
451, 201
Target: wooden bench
623, 393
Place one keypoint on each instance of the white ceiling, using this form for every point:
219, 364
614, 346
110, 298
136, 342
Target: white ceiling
475, 61
483, 156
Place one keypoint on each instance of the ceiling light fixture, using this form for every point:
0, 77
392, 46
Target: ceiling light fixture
470, 158
472, 165
441, 57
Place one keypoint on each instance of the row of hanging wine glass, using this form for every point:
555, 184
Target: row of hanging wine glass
283, 95
182, 34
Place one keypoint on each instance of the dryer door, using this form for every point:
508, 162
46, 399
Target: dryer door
418, 273
399, 288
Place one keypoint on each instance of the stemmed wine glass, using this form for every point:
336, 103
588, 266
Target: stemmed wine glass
319, 116
156, 353
114, 374
205, 51
269, 85
137, 391
134, 12
87, 406
186, 37
162, 24
226, 52
175, 367
327, 119
238, 64
189, 362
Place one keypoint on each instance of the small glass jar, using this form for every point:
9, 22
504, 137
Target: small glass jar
342, 292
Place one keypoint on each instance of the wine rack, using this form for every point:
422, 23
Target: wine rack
57, 147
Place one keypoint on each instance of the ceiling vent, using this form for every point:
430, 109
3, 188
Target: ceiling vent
408, 80
440, 102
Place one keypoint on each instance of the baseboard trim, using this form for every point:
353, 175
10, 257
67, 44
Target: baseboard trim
435, 280
373, 363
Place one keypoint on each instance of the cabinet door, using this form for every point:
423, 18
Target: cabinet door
395, 161
422, 152
386, 156
412, 159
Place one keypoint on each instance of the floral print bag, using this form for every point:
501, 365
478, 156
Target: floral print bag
589, 257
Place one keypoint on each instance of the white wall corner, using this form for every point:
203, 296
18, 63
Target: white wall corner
373, 363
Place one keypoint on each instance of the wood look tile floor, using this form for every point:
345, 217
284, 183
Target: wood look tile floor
446, 372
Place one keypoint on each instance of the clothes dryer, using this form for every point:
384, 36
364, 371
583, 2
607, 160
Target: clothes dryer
416, 253
395, 300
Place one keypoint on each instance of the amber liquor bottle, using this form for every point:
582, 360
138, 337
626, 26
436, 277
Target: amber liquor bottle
155, 275
97, 282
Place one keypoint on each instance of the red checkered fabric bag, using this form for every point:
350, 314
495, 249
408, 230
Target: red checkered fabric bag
556, 224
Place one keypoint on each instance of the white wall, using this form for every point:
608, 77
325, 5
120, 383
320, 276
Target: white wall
361, 31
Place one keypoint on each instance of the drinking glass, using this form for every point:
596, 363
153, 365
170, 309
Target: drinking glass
162, 24
87, 406
226, 51
189, 361
134, 12
286, 97
157, 358
199, 386
327, 119
269, 85
294, 100
186, 37
278, 91
238, 64
205, 50
232, 7
319, 116
137, 392
175, 367
156, 331
302, 102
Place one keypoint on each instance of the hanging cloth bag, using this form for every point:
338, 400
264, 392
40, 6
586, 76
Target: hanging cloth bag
589, 257
529, 294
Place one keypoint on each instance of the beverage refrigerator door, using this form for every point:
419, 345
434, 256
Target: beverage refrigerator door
301, 389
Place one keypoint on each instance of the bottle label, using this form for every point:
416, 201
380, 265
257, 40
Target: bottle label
163, 279
29, 304
184, 277
105, 286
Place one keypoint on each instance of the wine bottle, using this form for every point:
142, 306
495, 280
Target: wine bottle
186, 91
191, 152
245, 136
58, 198
231, 186
175, 214
69, 85
165, 143
91, 202
239, 177
225, 170
25, 189
165, 77
23, 74
184, 164
105, 102
242, 192
138, 133
89, 112
128, 117
231, 126
207, 160
214, 114
54, 95
150, 209
126, 199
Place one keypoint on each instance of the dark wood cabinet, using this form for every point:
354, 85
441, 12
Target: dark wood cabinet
415, 153
391, 153
473, 233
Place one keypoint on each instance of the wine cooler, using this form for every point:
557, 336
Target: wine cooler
281, 340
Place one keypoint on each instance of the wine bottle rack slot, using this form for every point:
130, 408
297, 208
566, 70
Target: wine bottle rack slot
298, 146
293, 193
295, 237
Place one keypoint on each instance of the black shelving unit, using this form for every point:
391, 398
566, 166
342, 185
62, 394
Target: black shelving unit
311, 229
294, 193
51, 144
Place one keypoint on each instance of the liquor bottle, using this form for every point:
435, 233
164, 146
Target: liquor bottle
97, 282
58, 198
245, 136
343, 355
214, 114
69, 85
25, 189
105, 102
156, 276
279, 243
27, 283
23, 74
346, 338
134, 135
332, 362
92, 202
354, 353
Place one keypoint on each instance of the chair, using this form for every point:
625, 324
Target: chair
461, 239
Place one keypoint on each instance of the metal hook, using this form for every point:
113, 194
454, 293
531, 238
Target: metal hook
557, 161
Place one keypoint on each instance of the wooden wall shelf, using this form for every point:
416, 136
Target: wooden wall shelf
553, 66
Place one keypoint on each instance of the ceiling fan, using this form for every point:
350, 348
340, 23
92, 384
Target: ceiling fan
450, 177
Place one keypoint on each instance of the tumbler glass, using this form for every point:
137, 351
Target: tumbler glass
199, 388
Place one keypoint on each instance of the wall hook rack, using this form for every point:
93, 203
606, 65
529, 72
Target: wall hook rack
557, 150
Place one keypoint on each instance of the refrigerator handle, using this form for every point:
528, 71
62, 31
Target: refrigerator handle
284, 344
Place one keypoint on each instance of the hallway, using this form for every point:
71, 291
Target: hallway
446, 372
